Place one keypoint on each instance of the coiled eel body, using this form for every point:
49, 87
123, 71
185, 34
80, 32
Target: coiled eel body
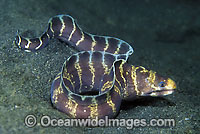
94, 81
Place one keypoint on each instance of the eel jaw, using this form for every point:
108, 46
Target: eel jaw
162, 92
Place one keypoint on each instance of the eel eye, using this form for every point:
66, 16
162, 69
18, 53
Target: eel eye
162, 84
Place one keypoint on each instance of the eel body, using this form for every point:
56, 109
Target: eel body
94, 81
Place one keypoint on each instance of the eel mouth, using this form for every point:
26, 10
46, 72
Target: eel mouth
162, 92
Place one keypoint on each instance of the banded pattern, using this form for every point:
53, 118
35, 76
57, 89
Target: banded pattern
64, 28
94, 81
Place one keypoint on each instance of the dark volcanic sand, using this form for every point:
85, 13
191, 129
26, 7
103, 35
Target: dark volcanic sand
164, 34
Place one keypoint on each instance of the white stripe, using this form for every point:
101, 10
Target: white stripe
28, 44
74, 29
19, 42
39, 44
63, 25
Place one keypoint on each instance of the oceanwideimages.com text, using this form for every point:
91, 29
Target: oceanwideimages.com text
47, 121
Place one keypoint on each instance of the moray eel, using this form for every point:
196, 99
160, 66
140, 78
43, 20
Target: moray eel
94, 81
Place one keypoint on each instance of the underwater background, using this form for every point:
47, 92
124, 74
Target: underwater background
165, 35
